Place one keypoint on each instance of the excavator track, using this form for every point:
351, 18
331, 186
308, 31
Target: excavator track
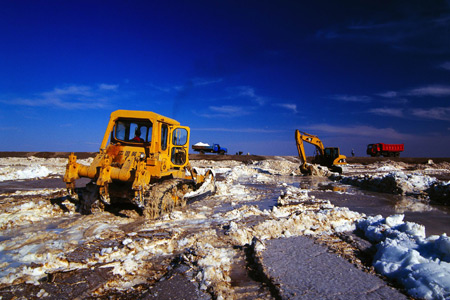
163, 197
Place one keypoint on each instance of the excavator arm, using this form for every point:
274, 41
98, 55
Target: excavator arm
305, 168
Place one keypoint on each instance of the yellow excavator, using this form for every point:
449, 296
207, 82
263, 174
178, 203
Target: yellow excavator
143, 160
328, 157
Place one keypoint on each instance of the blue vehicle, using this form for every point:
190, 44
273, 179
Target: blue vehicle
203, 148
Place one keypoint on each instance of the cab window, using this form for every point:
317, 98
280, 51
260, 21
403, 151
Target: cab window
179, 137
164, 135
133, 131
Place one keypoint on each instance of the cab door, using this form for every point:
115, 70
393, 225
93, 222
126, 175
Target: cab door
179, 146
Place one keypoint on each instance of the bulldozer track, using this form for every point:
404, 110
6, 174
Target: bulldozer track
160, 199
163, 197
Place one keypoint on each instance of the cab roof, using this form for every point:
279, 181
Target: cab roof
142, 115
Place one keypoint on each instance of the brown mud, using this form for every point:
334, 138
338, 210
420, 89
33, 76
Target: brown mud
241, 158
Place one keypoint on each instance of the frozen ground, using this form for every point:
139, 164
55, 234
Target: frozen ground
49, 250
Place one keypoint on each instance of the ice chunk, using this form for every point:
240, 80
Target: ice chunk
404, 254
31, 172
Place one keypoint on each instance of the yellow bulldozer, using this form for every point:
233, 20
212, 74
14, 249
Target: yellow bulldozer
328, 157
143, 159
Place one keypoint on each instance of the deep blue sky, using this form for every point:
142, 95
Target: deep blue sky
244, 74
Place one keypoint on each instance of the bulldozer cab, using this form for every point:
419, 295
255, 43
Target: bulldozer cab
139, 132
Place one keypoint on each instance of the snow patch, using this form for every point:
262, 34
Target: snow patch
10, 173
421, 265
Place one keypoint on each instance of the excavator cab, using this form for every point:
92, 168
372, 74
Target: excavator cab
330, 154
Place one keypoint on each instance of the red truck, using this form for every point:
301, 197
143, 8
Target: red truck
385, 149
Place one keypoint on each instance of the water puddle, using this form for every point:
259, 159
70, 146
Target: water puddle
12, 186
435, 218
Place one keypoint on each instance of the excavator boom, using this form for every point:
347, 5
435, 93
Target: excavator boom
304, 167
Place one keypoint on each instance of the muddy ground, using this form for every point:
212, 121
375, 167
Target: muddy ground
205, 250
242, 158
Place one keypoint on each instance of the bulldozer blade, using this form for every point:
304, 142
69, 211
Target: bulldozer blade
207, 187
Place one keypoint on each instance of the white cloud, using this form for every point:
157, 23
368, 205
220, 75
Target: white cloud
389, 94
203, 81
226, 111
347, 98
394, 112
360, 130
68, 97
248, 92
71, 90
243, 130
195, 82
163, 89
435, 113
445, 66
403, 34
289, 106
431, 90
108, 87
9, 129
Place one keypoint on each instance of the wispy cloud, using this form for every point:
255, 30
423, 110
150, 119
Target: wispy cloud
389, 94
396, 98
194, 82
388, 32
162, 89
225, 111
289, 106
68, 97
108, 87
228, 109
445, 65
352, 98
393, 97
240, 130
10, 129
431, 90
362, 131
413, 32
203, 81
247, 92
435, 113
391, 112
